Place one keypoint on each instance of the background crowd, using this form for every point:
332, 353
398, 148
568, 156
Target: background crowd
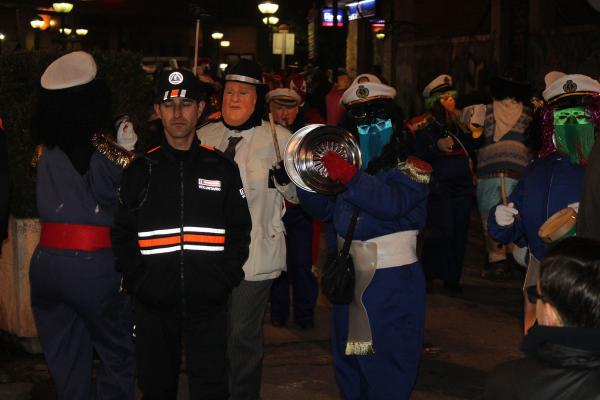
521, 156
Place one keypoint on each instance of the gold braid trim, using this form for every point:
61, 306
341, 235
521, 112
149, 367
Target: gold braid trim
359, 348
111, 150
416, 170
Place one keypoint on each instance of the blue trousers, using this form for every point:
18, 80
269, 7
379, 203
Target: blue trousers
395, 303
298, 241
77, 309
445, 245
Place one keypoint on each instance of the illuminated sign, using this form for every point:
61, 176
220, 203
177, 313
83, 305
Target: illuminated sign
361, 9
377, 25
328, 17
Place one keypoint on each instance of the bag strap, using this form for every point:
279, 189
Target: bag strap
350, 232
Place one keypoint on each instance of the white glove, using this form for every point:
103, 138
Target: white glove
574, 206
505, 215
126, 136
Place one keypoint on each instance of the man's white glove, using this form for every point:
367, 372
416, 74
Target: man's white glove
126, 136
505, 215
574, 206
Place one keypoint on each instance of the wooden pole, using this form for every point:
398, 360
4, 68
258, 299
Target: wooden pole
196, 47
503, 195
275, 141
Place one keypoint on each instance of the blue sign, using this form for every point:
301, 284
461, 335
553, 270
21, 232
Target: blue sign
361, 9
328, 17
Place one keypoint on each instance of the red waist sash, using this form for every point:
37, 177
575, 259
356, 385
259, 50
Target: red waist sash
75, 237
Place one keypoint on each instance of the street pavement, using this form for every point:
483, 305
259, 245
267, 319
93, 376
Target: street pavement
467, 336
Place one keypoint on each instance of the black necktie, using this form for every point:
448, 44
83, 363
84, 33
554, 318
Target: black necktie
230, 150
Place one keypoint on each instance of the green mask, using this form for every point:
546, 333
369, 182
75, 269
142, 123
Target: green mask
574, 134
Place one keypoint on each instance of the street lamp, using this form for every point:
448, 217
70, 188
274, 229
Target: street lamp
36, 23
2, 36
66, 31
225, 43
63, 8
217, 35
81, 31
271, 20
380, 35
268, 7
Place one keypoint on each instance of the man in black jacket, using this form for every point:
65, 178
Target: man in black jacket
181, 235
563, 350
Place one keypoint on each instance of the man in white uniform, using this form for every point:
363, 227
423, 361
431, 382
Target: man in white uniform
243, 135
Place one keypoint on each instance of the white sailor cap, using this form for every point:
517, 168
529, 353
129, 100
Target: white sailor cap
72, 69
442, 83
367, 87
284, 96
560, 85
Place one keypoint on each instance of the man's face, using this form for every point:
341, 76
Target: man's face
239, 101
283, 115
179, 116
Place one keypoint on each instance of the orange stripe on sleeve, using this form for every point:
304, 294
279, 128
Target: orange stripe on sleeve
154, 149
160, 241
203, 239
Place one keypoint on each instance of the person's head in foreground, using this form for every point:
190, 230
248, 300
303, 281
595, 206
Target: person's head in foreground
569, 285
563, 351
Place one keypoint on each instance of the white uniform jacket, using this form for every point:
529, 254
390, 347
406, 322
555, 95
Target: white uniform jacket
267, 246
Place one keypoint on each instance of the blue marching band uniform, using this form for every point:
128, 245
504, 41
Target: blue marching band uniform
391, 203
74, 285
550, 184
448, 205
298, 242
75, 297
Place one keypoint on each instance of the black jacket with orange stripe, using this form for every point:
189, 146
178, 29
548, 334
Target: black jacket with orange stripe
181, 233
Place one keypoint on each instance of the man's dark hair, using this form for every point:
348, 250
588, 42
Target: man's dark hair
570, 281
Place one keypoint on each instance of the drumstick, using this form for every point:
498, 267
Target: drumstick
196, 47
503, 189
274, 133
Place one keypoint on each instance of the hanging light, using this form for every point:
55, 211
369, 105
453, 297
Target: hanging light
267, 7
36, 23
66, 31
273, 20
63, 8
217, 35
81, 31
225, 43
380, 35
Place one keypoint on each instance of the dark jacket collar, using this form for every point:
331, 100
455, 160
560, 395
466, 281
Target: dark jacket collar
564, 346
175, 154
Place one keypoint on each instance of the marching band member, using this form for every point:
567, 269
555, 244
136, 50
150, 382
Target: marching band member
570, 123
376, 340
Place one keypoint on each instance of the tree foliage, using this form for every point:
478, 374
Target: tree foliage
20, 72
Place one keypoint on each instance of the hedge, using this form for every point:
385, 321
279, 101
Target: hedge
131, 92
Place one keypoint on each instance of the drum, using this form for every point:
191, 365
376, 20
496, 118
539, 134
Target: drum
304, 149
559, 226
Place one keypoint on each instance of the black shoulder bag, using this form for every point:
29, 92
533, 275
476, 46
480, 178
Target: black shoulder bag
337, 280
